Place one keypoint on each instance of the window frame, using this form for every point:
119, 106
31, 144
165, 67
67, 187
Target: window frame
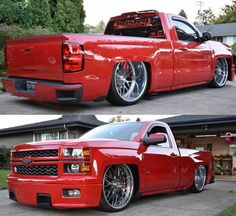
167, 135
190, 26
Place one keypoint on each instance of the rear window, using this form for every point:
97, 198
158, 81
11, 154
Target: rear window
149, 27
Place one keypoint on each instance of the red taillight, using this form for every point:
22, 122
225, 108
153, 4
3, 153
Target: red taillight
73, 57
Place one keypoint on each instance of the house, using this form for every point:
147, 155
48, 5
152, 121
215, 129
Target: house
66, 127
225, 33
213, 133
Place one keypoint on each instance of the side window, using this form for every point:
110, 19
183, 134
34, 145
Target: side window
160, 130
185, 32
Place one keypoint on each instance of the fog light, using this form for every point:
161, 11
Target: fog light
15, 169
71, 193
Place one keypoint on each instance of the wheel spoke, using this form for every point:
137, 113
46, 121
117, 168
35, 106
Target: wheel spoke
118, 188
130, 80
221, 72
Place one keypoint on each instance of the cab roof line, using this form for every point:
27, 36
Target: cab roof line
137, 12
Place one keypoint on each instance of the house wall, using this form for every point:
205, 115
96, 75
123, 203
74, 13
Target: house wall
230, 40
11, 140
218, 144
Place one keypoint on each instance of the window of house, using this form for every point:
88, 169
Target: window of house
73, 134
56, 135
63, 135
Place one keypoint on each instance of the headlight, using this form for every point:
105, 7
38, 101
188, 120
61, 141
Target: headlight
76, 168
76, 153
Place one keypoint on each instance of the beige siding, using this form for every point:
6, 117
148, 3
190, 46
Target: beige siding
11, 140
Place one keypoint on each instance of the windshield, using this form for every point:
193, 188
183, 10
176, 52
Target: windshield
120, 131
149, 27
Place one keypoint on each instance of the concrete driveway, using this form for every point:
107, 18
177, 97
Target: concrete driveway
198, 100
212, 200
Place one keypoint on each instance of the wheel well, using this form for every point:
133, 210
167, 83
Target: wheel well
148, 67
206, 173
229, 61
135, 172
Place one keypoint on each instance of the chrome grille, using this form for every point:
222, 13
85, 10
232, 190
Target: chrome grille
36, 153
44, 170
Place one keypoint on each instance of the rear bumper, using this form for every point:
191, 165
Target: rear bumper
44, 90
28, 191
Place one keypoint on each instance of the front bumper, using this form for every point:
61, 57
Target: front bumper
46, 91
27, 191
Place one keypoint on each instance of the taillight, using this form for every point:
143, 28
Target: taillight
73, 57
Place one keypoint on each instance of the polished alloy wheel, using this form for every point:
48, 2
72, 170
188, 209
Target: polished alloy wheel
222, 72
130, 80
200, 178
118, 186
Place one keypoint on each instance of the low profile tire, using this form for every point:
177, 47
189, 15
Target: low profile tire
221, 74
199, 179
117, 188
129, 83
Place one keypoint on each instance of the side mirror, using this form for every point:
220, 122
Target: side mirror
206, 36
155, 139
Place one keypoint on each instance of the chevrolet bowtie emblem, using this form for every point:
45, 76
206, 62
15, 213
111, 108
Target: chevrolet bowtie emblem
27, 161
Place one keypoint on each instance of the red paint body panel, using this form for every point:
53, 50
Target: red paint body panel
40, 58
159, 169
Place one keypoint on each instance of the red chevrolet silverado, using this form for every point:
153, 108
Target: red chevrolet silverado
140, 53
106, 167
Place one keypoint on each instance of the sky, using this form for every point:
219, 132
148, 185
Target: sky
7, 121
97, 10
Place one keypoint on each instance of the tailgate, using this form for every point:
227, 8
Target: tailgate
37, 57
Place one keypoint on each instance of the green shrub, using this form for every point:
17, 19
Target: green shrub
4, 158
234, 46
11, 32
2, 64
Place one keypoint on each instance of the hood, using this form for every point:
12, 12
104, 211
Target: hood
77, 143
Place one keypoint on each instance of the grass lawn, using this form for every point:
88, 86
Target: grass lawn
230, 211
3, 178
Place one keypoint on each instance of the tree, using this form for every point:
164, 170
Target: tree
25, 13
228, 14
100, 28
118, 119
206, 17
69, 17
183, 14
39, 13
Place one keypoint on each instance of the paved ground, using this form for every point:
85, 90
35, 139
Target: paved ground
198, 100
212, 200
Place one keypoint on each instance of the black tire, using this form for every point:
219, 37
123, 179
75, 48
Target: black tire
113, 188
121, 79
221, 74
198, 185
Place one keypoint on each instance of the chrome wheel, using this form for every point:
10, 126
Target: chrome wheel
200, 178
222, 72
130, 80
118, 186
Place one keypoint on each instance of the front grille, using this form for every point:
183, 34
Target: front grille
37, 153
44, 170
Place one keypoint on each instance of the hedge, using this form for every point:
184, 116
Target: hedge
4, 158
11, 32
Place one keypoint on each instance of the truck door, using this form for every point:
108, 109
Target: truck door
161, 163
192, 58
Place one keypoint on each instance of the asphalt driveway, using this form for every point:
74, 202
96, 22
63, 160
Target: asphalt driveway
198, 100
211, 201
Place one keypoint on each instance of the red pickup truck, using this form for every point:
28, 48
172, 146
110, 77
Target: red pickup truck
140, 53
106, 167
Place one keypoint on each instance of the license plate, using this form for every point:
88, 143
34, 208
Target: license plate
30, 85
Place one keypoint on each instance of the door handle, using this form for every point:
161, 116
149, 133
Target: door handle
183, 48
173, 155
